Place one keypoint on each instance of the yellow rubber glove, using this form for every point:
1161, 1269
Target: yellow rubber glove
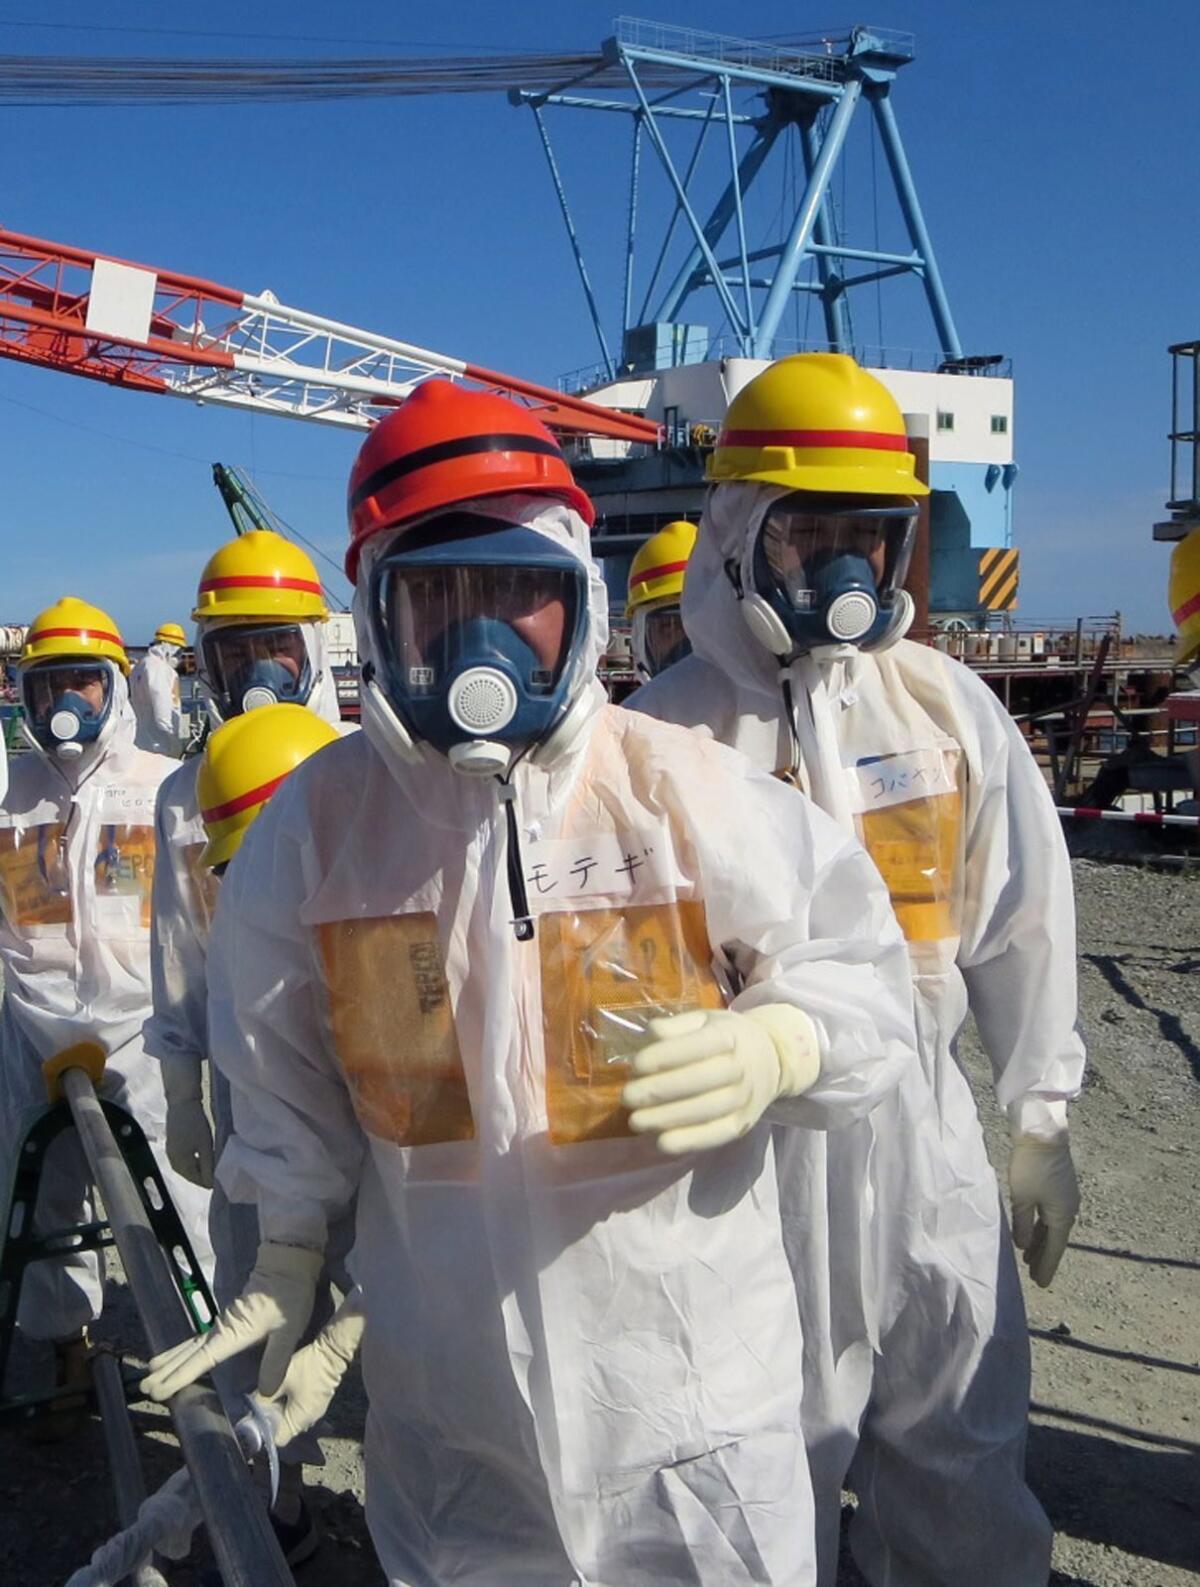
189, 1134
709, 1076
274, 1309
314, 1373
1045, 1202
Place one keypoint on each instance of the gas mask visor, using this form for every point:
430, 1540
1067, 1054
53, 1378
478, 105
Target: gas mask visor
67, 703
658, 638
246, 666
832, 569
477, 623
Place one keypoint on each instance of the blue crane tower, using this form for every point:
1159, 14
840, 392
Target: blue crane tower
742, 214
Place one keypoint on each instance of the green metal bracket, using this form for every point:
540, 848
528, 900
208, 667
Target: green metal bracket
23, 1246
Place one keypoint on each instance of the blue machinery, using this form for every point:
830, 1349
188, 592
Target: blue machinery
750, 219
748, 95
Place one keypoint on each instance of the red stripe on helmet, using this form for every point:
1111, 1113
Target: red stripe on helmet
659, 572
865, 440
259, 581
233, 807
1188, 609
75, 633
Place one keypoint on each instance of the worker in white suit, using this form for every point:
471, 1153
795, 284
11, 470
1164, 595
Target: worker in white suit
76, 868
917, 1361
614, 955
260, 619
154, 692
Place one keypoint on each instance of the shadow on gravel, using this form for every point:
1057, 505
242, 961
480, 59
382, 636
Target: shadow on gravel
1049, 1336
1133, 1256
1142, 1501
1109, 966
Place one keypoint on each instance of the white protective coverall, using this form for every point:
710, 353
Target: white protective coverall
154, 690
76, 867
185, 894
582, 1357
914, 753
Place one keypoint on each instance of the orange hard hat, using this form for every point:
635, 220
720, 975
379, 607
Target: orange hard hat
445, 445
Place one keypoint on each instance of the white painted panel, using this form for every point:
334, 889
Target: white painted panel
121, 300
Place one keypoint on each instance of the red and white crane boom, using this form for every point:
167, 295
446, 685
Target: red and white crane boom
159, 331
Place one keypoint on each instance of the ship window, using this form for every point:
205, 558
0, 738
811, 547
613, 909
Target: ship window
945, 420
999, 423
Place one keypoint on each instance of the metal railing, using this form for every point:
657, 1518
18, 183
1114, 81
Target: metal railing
722, 49
871, 356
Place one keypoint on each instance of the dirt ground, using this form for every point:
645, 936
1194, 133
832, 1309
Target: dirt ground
1114, 1449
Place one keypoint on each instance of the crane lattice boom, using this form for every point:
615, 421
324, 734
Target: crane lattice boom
159, 331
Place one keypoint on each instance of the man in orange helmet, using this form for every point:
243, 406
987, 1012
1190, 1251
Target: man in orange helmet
76, 866
529, 974
917, 1353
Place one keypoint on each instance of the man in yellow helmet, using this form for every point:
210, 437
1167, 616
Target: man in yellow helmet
1184, 599
76, 866
154, 691
655, 585
916, 1351
260, 614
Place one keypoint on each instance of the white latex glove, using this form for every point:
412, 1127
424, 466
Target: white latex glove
189, 1134
708, 1077
274, 1306
314, 1373
1045, 1201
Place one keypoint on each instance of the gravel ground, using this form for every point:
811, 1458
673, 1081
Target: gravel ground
1115, 1443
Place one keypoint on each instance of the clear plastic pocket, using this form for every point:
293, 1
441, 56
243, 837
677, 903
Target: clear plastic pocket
393, 1029
910, 822
35, 880
606, 973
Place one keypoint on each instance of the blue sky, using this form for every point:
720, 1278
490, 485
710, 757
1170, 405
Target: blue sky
1052, 147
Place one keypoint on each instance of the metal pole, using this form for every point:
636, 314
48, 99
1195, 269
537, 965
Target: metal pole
917, 583
737, 193
656, 137
247, 1551
722, 214
837, 328
780, 294
693, 161
906, 192
124, 1467
633, 191
575, 248
1195, 428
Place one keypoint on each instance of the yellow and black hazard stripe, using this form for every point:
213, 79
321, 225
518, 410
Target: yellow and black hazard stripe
999, 575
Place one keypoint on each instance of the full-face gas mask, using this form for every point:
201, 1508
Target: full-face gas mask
827, 570
246, 665
67, 704
475, 627
658, 638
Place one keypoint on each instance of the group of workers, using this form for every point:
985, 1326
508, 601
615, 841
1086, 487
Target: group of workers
602, 1058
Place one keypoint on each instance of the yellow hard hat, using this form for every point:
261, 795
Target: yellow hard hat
260, 577
656, 573
1183, 596
244, 762
169, 634
72, 628
817, 421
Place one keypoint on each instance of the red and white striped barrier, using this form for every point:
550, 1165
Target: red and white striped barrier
1146, 818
